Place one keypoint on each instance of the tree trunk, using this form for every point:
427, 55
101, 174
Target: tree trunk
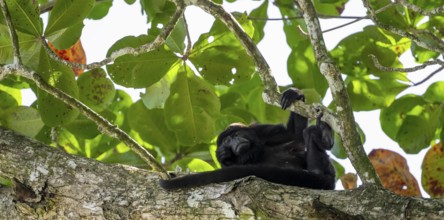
50, 184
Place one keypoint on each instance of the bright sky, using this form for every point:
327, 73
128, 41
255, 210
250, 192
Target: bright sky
124, 20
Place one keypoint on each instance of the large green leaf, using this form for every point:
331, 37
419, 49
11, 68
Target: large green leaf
435, 92
330, 7
151, 126
303, 70
369, 94
352, 53
67, 13
66, 37
53, 111
26, 16
220, 58
100, 9
25, 120
191, 109
95, 90
412, 122
259, 24
9, 97
143, 70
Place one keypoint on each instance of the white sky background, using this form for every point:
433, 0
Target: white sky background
124, 20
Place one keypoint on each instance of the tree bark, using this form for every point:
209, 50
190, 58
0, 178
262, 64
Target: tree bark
50, 184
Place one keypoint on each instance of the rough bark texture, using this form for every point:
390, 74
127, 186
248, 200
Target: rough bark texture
53, 185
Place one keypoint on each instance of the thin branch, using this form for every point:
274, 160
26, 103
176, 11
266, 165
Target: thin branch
410, 69
435, 11
104, 125
12, 33
429, 76
301, 17
330, 70
358, 19
189, 43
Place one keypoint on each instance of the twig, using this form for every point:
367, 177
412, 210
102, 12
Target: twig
12, 33
358, 19
330, 70
429, 76
301, 17
410, 69
189, 44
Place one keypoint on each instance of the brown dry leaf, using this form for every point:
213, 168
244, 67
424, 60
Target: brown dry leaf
74, 54
349, 181
394, 172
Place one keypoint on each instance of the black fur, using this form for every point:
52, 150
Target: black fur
292, 155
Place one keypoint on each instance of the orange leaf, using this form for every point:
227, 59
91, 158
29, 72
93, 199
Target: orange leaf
394, 172
74, 54
349, 181
433, 171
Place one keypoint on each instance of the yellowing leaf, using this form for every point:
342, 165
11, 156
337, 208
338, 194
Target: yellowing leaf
394, 172
74, 54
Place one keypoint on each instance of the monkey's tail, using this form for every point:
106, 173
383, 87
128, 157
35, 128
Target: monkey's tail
301, 178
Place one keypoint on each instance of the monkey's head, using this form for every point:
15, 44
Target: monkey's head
235, 145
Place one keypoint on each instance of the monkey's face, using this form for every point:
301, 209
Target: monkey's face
236, 146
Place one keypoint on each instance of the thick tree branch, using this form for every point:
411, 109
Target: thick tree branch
330, 70
74, 187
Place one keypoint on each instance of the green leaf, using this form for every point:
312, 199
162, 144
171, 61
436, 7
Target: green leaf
191, 108
411, 122
193, 164
176, 41
95, 90
69, 142
156, 95
53, 111
66, 37
29, 48
259, 24
421, 54
143, 70
330, 7
82, 127
151, 126
26, 16
220, 58
101, 9
24, 120
369, 94
67, 13
152, 8
303, 70
9, 98
435, 93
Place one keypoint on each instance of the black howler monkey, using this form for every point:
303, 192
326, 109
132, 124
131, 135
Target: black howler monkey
292, 155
